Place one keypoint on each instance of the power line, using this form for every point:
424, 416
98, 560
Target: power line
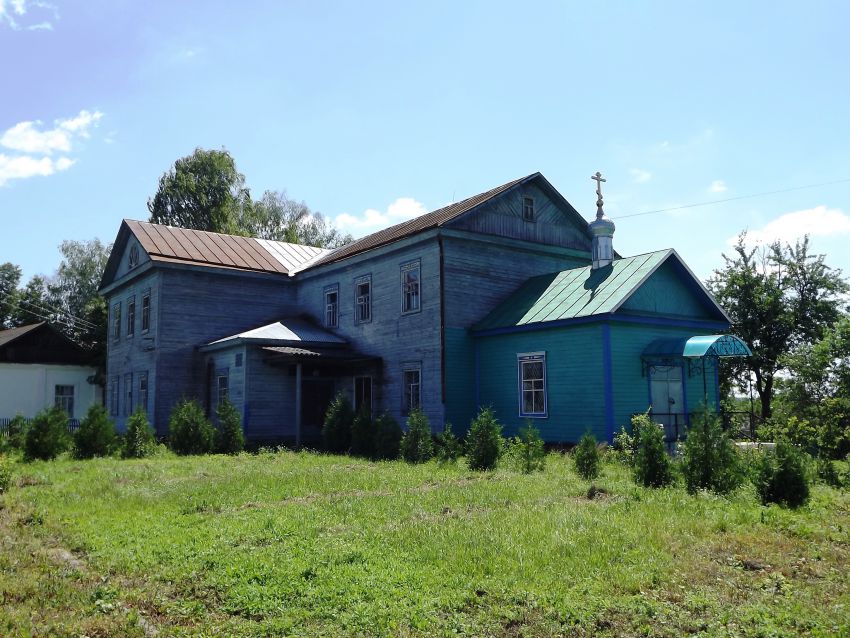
732, 199
61, 313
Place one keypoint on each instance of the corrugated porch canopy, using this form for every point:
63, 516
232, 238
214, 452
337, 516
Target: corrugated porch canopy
713, 346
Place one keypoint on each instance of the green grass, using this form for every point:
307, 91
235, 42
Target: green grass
305, 544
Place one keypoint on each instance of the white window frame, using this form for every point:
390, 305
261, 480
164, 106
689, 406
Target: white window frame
362, 302
142, 398
116, 320
146, 312
528, 358
528, 205
332, 309
406, 268
407, 405
65, 401
131, 316
219, 394
371, 391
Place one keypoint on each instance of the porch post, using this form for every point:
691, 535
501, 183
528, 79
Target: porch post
298, 405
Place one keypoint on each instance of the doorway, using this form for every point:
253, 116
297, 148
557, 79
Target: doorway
667, 398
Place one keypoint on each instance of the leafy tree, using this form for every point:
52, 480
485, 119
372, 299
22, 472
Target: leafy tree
484, 443
202, 191
336, 430
229, 437
47, 435
416, 444
651, 464
96, 434
10, 277
778, 297
280, 218
710, 460
139, 439
781, 477
447, 449
189, 431
34, 303
586, 457
387, 437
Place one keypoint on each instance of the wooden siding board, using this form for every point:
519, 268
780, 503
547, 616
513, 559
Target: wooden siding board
664, 293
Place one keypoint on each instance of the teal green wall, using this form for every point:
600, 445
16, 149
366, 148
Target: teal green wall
631, 386
667, 293
574, 379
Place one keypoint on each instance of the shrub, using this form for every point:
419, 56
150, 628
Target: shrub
625, 446
229, 437
780, 476
526, 450
139, 439
651, 465
586, 457
362, 434
484, 443
47, 436
387, 437
15, 432
189, 431
710, 460
448, 448
96, 434
5, 474
828, 474
336, 430
799, 432
416, 444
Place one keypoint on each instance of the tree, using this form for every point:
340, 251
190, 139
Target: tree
280, 218
778, 297
10, 277
203, 191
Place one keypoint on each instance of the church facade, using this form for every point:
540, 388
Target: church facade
507, 299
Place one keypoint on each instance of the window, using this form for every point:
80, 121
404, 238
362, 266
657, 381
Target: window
412, 389
528, 209
363, 393
146, 311
113, 396
133, 258
63, 397
363, 299
131, 316
332, 307
116, 321
222, 387
532, 384
143, 391
410, 287
128, 399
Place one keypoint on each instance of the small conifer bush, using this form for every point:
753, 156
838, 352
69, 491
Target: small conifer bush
15, 433
139, 439
651, 465
484, 443
387, 437
448, 448
827, 473
336, 430
189, 431
96, 434
417, 445
5, 474
526, 451
230, 439
780, 476
362, 435
586, 457
47, 436
710, 460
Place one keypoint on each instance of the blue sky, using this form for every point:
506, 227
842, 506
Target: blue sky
373, 112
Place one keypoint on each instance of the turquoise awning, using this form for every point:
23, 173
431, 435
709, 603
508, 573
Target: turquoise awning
698, 347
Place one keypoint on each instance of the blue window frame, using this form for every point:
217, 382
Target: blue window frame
410, 288
363, 299
531, 378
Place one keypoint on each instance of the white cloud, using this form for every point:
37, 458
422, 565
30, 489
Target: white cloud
370, 220
26, 136
35, 146
717, 186
791, 226
14, 14
640, 176
23, 166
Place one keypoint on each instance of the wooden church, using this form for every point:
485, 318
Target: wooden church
507, 299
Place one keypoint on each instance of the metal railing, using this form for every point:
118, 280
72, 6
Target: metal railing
73, 425
742, 425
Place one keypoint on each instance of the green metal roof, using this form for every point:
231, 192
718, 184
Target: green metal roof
699, 346
580, 292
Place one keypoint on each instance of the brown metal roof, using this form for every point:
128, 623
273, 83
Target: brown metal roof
11, 334
181, 245
416, 225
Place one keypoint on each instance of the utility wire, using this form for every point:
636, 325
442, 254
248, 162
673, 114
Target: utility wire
732, 199
57, 311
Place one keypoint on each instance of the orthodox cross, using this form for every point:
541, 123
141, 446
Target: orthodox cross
599, 179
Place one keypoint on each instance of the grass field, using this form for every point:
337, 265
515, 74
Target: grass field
306, 544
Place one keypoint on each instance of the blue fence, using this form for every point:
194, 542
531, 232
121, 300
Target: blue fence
73, 425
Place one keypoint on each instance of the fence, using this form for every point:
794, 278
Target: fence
741, 425
73, 425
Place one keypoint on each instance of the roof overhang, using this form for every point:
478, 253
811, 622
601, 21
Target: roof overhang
714, 346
